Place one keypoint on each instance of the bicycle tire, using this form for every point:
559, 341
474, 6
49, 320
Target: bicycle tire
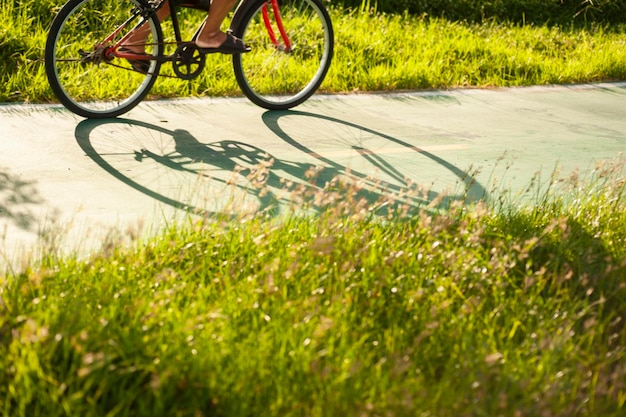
273, 77
101, 85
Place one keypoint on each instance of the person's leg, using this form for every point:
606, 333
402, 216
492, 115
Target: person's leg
210, 35
135, 42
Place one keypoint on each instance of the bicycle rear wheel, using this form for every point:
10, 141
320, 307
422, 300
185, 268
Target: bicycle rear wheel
281, 75
80, 60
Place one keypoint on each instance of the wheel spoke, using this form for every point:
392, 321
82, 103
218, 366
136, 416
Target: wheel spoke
275, 75
90, 80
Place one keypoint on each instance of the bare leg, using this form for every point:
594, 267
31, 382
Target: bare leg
210, 35
136, 41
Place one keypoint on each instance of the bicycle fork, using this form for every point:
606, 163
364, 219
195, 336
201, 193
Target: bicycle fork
285, 46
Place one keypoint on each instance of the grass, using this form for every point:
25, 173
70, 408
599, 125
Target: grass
361, 308
365, 309
400, 53
373, 52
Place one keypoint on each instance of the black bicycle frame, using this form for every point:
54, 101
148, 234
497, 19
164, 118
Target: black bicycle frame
240, 12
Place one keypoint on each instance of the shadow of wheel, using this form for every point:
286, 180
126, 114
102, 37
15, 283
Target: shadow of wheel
174, 168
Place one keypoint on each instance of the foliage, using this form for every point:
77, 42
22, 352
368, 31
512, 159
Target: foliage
373, 52
563, 12
517, 310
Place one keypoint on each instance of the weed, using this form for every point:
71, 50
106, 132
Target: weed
358, 308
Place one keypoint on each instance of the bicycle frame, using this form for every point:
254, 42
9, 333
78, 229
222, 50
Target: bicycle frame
291, 44
240, 11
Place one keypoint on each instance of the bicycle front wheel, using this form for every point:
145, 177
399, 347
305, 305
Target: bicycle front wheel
80, 56
292, 48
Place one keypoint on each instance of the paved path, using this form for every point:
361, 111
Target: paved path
72, 183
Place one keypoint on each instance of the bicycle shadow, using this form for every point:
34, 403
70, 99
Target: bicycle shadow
397, 181
184, 155
155, 161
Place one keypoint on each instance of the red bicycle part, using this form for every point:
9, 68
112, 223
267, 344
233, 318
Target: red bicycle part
279, 23
268, 25
115, 33
114, 52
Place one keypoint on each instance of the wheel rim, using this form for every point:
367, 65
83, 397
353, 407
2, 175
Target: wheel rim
98, 88
276, 77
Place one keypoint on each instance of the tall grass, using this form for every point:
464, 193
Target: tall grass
22, 39
373, 52
468, 311
406, 54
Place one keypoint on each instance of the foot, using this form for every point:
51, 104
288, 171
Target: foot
139, 65
221, 42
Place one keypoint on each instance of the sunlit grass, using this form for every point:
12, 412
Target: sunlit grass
407, 53
367, 308
361, 307
373, 52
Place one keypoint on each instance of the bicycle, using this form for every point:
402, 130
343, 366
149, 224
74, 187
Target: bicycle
89, 71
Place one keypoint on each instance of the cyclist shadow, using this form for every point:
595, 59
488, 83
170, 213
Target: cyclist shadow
145, 156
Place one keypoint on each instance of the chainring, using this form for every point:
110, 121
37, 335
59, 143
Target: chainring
188, 62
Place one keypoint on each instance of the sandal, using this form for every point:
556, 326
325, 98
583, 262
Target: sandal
140, 65
231, 45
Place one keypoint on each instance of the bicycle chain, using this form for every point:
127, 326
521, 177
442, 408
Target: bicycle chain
41, 60
148, 73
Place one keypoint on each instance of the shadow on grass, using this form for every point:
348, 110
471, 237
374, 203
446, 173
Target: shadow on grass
157, 161
17, 195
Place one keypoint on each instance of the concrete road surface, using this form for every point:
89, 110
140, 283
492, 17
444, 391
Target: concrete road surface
71, 184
